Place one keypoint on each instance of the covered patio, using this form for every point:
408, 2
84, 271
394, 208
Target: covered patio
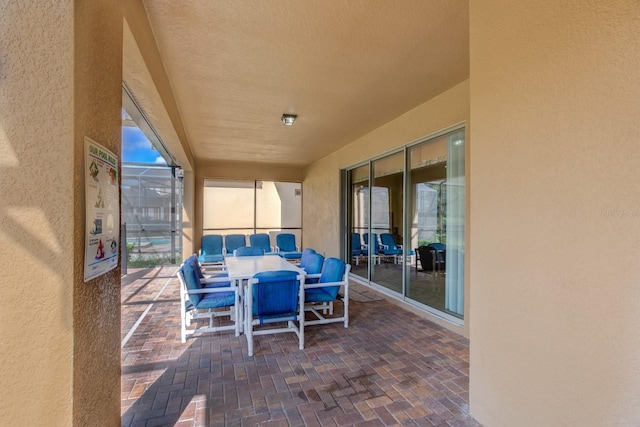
390, 367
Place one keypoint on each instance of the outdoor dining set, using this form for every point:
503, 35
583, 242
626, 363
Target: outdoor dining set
256, 291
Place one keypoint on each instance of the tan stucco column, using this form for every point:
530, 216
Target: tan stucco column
60, 80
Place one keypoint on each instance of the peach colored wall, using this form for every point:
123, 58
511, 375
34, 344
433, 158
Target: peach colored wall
555, 213
96, 304
321, 206
59, 336
36, 216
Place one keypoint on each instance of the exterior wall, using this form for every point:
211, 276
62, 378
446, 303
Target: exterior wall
96, 304
59, 337
555, 301
321, 203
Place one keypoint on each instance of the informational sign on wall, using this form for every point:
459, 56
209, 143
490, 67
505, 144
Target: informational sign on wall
102, 205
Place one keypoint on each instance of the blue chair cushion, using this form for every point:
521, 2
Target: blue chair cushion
261, 240
313, 265
233, 242
275, 296
291, 255
248, 251
319, 294
192, 281
211, 258
211, 248
286, 242
332, 271
391, 251
217, 300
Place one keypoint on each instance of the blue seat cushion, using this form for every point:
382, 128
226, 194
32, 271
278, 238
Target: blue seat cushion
210, 258
391, 251
291, 255
327, 294
217, 300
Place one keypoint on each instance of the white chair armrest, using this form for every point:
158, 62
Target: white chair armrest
324, 285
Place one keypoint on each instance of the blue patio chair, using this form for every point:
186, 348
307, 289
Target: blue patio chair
233, 242
356, 247
320, 296
389, 249
248, 251
211, 249
274, 297
203, 299
286, 246
262, 240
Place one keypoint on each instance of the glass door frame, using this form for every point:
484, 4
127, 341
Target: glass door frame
346, 223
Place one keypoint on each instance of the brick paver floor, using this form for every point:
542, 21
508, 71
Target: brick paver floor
389, 368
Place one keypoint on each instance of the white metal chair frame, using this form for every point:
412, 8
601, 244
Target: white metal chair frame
321, 309
250, 322
187, 316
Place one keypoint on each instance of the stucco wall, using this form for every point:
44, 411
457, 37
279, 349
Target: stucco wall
59, 342
36, 214
555, 213
321, 205
97, 96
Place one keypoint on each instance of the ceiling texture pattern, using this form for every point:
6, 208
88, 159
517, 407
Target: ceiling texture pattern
344, 67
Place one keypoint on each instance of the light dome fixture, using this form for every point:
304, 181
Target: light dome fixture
288, 119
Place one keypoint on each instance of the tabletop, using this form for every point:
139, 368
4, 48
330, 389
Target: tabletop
247, 266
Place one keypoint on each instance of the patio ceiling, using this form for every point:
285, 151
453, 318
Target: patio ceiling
344, 67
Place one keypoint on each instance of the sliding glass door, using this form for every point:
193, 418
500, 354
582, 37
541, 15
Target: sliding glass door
437, 204
387, 222
406, 223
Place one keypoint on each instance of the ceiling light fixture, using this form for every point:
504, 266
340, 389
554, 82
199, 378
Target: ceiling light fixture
288, 119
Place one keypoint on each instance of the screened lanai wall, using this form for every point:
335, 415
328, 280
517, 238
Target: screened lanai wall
151, 213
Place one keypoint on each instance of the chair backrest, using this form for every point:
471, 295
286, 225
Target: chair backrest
211, 244
286, 242
387, 240
233, 242
314, 264
189, 278
193, 261
261, 240
275, 295
248, 251
333, 270
305, 256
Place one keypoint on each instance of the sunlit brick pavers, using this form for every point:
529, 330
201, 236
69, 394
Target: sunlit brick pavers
389, 368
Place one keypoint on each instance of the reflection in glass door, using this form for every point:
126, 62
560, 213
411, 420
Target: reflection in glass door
387, 225
359, 219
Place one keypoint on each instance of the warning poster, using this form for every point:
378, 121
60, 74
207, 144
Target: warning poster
102, 195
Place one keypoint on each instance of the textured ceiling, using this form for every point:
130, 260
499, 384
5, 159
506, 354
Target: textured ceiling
344, 67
